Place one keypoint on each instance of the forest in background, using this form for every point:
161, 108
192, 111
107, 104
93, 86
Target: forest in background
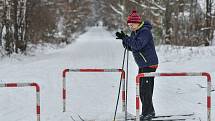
175, 22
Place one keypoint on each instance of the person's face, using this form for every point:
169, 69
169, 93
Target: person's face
133, 26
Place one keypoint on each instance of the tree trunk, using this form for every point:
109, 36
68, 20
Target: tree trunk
16, 29
208, 22
167, 23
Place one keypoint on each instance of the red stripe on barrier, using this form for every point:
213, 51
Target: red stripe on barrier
65, 71
11, 85
91, 70
173, 74
64, 94
37, 86
138, 78
120, 70
137, 103
123, 95
38, 109
123, 74
208, 76
209, 102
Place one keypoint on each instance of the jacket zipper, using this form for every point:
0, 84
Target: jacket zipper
140, 52
143, 57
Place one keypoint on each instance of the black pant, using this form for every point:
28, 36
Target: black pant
146, 91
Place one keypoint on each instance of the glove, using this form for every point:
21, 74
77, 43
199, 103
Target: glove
126, 46
121, 35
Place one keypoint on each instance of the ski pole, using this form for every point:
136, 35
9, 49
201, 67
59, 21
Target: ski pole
117, 102
126, 99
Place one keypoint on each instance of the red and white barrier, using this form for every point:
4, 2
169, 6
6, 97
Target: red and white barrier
122, 78
153, 74
27, 85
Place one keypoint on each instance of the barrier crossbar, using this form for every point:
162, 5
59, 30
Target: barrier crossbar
153, 74
37, 87
122, 78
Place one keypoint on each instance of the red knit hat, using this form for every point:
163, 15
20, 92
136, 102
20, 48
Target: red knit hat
134, 17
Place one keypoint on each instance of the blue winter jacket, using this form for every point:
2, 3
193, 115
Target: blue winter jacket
142, 46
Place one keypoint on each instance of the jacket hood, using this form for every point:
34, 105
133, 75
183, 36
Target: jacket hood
147, 24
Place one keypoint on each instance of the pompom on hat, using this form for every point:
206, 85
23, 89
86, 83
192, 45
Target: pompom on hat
134, 17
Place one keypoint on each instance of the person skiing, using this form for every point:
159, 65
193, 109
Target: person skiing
141, 44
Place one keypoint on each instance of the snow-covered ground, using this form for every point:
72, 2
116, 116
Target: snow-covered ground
93, 95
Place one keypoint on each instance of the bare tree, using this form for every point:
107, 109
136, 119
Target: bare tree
41, 22
209, 32
13, 21
8, 39
167, 23
19, 8
76, 16
175, 22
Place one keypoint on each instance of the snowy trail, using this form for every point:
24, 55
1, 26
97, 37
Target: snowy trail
91, 51
93, 95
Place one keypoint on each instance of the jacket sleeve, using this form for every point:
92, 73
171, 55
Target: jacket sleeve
138, 41
126, 46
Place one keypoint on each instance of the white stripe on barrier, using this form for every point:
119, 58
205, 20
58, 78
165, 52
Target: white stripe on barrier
74, 70
2, 85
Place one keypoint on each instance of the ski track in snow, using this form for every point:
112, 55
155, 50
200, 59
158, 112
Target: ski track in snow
93, 95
